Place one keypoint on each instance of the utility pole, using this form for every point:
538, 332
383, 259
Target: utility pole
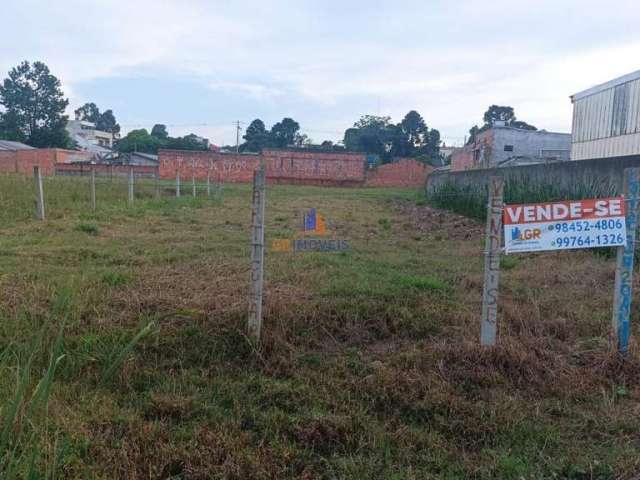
237, 136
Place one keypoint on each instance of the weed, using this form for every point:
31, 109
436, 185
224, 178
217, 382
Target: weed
115, 279
88, 228
508, 263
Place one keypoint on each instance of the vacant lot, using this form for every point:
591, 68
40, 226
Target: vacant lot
123, 355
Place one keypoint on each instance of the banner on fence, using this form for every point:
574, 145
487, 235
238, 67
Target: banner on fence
565, 225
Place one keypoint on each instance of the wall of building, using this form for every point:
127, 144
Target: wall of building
403, 173
604, 175
488, 150
475, 154
606, 120
536, 144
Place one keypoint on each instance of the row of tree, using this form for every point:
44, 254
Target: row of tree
283, 134
141, 140
371, 134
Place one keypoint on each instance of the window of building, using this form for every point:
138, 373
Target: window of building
508, 148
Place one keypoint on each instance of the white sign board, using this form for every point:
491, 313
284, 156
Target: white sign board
564, 225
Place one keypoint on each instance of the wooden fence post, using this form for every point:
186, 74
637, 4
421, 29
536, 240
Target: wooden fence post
37, 175
624, 262
488, 327
178, 183
257, 254
131, 186
93, 189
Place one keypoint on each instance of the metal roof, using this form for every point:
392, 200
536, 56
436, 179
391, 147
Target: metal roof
630, 77
8, 145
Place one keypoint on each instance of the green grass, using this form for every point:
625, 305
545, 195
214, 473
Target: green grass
123, 351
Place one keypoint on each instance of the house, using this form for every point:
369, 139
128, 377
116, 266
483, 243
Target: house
606, 119
502, 145
88, 138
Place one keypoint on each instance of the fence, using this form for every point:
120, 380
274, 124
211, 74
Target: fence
24, 197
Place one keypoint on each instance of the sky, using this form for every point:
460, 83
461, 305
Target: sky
199, 66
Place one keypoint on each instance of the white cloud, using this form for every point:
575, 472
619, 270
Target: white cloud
447, 61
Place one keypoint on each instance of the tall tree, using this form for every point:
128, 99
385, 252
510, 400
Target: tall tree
160, 131
498, 113
89, 112
285, 133
107, 122
256, 137
34, 107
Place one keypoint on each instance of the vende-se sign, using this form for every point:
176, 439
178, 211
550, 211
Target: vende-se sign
598, 222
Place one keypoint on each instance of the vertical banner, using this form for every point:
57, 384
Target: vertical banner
257, 254
624, 262
488, 327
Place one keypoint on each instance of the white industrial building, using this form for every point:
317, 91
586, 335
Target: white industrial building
606, 119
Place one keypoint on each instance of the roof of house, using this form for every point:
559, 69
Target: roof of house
8, 145
630, 77
148, 156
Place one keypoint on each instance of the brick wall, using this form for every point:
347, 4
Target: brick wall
282, 166
224, 167
8, 162
23, 161
315, 168
405, 172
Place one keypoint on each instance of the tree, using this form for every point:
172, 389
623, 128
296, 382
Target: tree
34, 107
89, 112
285, 133
498, 113
107, 122
139, 141
256, 137
160, 131
409, 138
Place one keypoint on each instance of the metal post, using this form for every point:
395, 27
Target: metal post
39, 193
488, 327
93, 189
131, 186
257, 254
624, 262
178, 183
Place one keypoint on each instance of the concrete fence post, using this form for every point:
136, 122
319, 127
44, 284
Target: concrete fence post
131, 186
37, 175
157, 186
178, 183
193, 179
93, 189
254, 325
208, 183
488, 327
